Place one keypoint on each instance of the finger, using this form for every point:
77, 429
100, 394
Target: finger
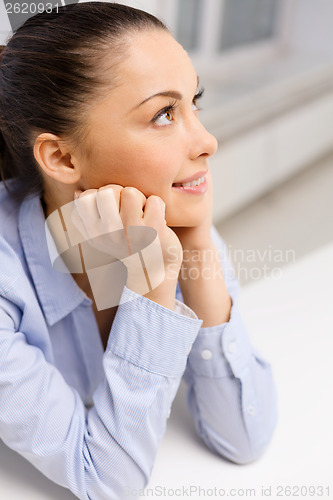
86, 206
87, 192
132, 202
73, 220
117, 188
154, 215
103, 195
108, 208
78, 233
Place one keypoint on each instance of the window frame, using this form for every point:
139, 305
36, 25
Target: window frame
216, 65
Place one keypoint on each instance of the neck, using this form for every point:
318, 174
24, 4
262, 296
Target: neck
56, 195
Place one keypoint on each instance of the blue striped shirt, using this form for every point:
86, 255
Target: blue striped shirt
92, 420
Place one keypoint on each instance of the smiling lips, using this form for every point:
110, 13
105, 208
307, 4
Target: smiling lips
195, 177
193, 185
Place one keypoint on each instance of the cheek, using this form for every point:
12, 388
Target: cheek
149, 164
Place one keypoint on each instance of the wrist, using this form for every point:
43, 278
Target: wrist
198, 237
200, 242
200, 256
165, 293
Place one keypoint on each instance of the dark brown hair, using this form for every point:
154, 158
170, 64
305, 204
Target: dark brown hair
50, 70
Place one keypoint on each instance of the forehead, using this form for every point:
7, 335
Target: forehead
154, 59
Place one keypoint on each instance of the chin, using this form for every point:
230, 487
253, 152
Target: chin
190, 221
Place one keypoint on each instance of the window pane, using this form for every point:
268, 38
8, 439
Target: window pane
188, 23
247, 21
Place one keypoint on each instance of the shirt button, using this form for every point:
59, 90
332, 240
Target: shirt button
206, 354
250, 410
232, 347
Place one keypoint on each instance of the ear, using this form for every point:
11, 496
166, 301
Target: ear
54, 157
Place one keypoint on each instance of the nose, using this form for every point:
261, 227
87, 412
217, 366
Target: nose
202, 142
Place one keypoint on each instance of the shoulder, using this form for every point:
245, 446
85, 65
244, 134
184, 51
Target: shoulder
9, 209
11, 252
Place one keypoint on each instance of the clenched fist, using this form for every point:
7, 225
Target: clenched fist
107, 230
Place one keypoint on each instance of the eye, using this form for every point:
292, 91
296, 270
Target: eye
196, 98
165, 116
195, 106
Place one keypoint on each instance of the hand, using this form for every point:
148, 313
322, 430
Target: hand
111, 219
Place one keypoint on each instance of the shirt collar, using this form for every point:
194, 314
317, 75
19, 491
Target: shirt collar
57, 292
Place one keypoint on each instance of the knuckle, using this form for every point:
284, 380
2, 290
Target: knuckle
133, 191
88, 192
112, 186
156, 197
130, 189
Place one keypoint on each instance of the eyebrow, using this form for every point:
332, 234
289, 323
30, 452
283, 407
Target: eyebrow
167, 93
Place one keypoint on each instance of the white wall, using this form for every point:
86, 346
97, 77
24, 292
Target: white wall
311, 27
250, 165
4, 24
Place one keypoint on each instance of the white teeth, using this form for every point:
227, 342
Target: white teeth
192, 183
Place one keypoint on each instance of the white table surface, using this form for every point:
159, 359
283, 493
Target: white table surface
290, 321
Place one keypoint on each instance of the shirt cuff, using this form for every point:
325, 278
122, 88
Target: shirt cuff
152, 336
221, 350
182, 308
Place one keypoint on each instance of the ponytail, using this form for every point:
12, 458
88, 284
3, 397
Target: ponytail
17, 161
5, 160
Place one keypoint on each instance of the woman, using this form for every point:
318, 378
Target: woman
100, 104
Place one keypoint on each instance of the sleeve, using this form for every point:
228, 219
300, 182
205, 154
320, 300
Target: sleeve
108, 451
231, 393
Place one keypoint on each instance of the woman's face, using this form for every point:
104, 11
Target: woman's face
146, 133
